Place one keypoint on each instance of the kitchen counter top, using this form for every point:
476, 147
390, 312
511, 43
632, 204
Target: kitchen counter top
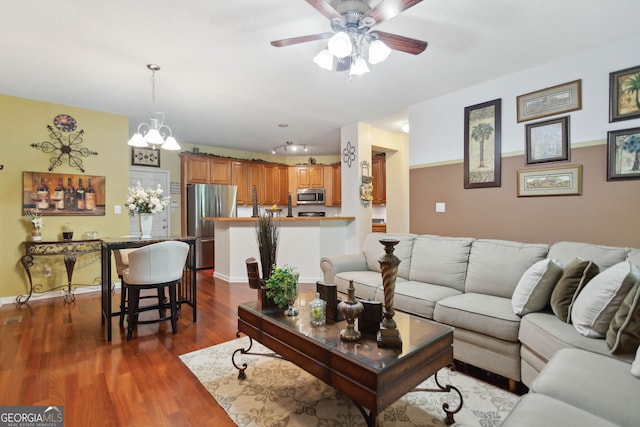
284, 218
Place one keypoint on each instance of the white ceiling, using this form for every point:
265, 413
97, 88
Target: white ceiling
222, 83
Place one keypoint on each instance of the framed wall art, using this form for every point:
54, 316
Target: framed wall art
624, 94
623, 154
63, 194
547, 141
550, 101
141, 156
550, 181
482, 148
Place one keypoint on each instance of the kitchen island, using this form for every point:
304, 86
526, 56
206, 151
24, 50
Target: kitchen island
302, 242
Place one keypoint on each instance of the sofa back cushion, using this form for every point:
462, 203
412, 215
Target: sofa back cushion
440, 260
496, 266
603, 256
373, 250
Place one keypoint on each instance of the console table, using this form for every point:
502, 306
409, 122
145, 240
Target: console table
66, 248
186, 289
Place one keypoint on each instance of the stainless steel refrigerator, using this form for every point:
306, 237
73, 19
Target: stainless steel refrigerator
207, 201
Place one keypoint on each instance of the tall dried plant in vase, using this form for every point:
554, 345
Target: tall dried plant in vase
267, 235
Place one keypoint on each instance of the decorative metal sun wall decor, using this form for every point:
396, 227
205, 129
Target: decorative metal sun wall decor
65, 148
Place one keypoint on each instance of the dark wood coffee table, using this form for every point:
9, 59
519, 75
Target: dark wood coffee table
372, 377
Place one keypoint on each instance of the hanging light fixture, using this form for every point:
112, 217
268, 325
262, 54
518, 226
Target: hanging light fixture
155, 133
289, 148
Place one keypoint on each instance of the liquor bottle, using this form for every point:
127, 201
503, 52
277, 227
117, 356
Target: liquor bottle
90, 197
58, 195
70, 195
42, 195
80, 196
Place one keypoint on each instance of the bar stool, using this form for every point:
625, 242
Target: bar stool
156, 266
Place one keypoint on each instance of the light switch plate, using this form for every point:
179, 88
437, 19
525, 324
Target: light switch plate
117, 209
440, 206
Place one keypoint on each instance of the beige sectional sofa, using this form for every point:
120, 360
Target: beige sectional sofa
469, 283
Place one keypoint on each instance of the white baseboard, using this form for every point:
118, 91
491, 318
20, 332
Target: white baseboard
57, 293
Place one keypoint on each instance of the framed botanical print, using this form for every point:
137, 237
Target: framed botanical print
623, 154
141, 156
482, 148
624, 91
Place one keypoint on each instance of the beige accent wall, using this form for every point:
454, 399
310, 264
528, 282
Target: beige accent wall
606, 213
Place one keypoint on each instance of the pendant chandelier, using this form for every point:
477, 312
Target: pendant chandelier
155, 133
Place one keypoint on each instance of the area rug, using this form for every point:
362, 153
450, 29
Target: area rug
276, 393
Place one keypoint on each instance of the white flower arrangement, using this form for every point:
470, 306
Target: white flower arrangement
35, 219
146, 201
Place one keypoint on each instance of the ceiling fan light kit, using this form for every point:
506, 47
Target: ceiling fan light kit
155, 133
353, 38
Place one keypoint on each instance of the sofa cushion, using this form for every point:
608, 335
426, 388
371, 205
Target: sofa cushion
592, 382
623, 335
373, 250
440, 260
417, 298
485, 314
635, 366
535, 410
634, 257
604, 256
534, 288
601, 297
365, 283
545, 334
510, 259
575, 276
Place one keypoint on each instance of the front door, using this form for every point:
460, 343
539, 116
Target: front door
151, 179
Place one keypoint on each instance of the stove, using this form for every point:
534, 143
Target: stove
311, 214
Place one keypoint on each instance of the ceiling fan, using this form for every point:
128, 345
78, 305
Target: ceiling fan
352, 22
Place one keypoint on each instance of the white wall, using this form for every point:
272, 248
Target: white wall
437, 124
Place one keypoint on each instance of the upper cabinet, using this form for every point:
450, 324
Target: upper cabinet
246, 175
311, 176
276, 184
205, 170
379, 173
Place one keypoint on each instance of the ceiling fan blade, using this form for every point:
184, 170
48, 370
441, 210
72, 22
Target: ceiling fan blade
301, 39
401, 43
324, 8
388, 9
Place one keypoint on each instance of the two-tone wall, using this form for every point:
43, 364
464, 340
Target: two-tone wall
605, 213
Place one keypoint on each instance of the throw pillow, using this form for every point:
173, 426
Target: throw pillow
601, 297
623, 335
535, 286
635, 366
574, 278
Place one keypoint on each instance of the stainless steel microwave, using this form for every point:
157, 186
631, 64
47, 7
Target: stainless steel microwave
310, 196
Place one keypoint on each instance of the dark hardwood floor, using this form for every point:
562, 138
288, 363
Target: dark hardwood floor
53, 353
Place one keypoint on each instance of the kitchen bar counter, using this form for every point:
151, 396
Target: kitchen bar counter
302, 242
285, 218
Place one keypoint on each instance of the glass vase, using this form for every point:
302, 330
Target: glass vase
291, 294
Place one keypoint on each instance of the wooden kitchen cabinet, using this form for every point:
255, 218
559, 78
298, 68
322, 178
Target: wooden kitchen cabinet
247, 175
276, 184
219, 171
311, 176
333, 185
205, 170
379, 173
379, 228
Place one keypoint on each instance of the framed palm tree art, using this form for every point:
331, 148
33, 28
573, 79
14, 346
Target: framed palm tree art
624, 94
623, 154
482, 148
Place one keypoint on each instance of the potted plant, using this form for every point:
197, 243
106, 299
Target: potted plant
282, 288
267, 235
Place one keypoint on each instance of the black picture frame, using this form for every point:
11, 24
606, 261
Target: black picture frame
141, 156
482, 144
547, 141
623, 100
623, 163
